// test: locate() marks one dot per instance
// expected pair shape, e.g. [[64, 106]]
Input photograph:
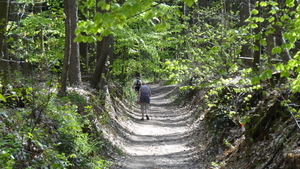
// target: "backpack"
[[138, 83]]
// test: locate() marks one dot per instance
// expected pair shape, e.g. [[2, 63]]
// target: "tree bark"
[[64, 76], [104, 48], [74, 73], [244, 14], [256, 54], [4, 6], [83, 47]]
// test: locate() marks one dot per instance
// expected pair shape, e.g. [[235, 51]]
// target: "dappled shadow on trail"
[[172, 160], [161, 142]]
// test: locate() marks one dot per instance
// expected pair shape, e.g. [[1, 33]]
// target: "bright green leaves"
[[103, 5], [296, 85], [2, 98], [98, 17], [276, 50], [137, 7], [163, 26], [117, 17], [189, 3], [176, 69], [267, 74], [254, 12], [148, 15], [259, 19], [290, 3], [271, 19], [255, 80]]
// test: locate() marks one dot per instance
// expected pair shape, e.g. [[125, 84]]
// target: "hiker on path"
[[144, 98], [137, 84]]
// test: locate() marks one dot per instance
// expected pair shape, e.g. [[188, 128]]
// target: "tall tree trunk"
[[104, 49], [105, 46], [4, 6], [74, 72], [270, 45], [244, 14], [256, 54], [65, 70], [83, 47]]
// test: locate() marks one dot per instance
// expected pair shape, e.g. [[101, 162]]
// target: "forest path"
[[164, 140]]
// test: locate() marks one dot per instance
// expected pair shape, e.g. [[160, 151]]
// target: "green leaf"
[[289, 3], [98, 17], [122, 18], [263, 4], [106, 7], [253, 25], [160, 27], [2, 98], [90, 39], [99, 38], [101, 4], [293, 63], [297, 56], [276, 50], [279, 67], [136, 8], [255, 80], [296, 85], [106, 32], [254, 12], [90, 3], [148, 15], [79, 38], [259, 19], [271, 19], [267, 74], [285, 73], [284, 17], [189, 3], [273, 12]]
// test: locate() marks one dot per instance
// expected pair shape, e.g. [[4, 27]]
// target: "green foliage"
[[285, 18], [40, 39], [230, 102], [50, 133]]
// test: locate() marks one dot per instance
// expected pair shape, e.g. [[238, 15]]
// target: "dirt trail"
[[161, 142]]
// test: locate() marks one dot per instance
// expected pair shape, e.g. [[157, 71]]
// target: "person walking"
[[144, 98], [137, 84]]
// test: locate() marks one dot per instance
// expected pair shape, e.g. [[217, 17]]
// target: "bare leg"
[[143, 112]]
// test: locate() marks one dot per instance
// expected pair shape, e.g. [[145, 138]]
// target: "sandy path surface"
[[161, 142]]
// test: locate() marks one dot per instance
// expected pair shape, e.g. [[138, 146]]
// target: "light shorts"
[[144, 106]]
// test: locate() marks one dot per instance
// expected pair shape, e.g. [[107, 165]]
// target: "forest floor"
[[164, 141]]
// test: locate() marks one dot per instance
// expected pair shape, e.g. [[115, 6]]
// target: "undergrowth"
[[45, 131], [262, 108]]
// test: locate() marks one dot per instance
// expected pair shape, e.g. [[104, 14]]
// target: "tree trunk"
[[66, 63], [105, 46], [104, 49], [83, 47], [270, 45], [285, 55], [244, 14], [4, 6], [256, 54], [74, 72]]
